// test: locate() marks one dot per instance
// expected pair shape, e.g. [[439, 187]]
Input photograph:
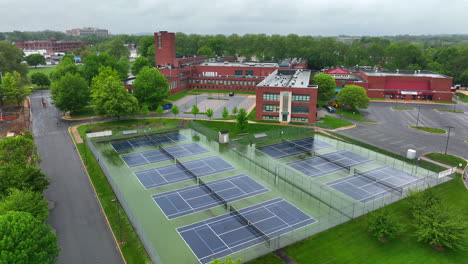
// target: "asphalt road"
[[82, 231], [393, 134]]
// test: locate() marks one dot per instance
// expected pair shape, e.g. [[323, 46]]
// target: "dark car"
[[330, 109], [231, 93]]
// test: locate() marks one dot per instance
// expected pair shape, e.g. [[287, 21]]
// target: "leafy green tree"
[[418, 201], [93, 63], [209, 113], [151, 87], [25, 201], [175, 110], [117, 48], [144, 44], [40, 79], [19, 150], [139, 63], [7, 85], [145, 109], [160, 110], [110, 97], [70, 93], [383, 224], [225, 113], [440, 226], [195, 111], [11, 58], [326, 86], [14, 87], [35, 59], [151, 55], [353, 96], [226, 260], [22, 177], [206, 51], [235, 110], [242, 119], [66, 65], [24, 239]]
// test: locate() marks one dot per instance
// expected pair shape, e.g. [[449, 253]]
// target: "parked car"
[[330, 109], [231, 93]]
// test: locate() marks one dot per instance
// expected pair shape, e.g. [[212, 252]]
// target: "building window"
[[238, 73], [182, 82], [270, 108], [266, 117], [271, 97], [300, 119], [249, 73], [300, 98], [300, 109]]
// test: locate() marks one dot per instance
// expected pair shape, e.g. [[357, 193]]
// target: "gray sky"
[[319, 17]]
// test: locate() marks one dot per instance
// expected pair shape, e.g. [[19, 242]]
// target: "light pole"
[[118, 215], [417, 119], [448, 138]]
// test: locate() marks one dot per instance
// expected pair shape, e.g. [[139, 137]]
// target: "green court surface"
[[325, 195]]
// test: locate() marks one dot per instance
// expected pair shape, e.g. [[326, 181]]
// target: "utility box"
[[411, 154], [223, 136]]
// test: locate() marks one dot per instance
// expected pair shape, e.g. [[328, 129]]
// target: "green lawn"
[[351, 114], [462, 97], [449, 110], [333, 122], [402, 108], [234, 131], [445, 102], [447, 159], [45, 70], [87, 111], [251, 115], [178, 96], [377, 99], [432, 130], [351, 243]]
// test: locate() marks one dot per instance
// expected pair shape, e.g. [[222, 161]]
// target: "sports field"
[[191, 199]]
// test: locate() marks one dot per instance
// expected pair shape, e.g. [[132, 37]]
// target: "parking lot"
[[393, 134]]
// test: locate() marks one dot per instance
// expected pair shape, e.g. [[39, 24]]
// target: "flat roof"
[[241, 64], [374, 71], [288, 78]]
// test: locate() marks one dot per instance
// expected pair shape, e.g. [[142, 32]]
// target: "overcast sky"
[[313, 17]]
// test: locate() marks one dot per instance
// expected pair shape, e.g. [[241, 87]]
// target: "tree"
[[22, 177], [353, 96], [195, 111], [139, 63], [24, 239], [66, 65], [150, 87], [442, 227], [242, 119], [110, 97], [206, 51], [225, 113], [175, 110], [160, 110], [234, 110], [25, 201], [209, 113], [14, 87], [11, 58], [145, 110], [19, 150], [383, 224], [70, 93], [40, 79], [326, 86], [117, 48], [94, 62], [35, 59]]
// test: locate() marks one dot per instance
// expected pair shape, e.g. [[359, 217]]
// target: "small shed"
[[223, 136]]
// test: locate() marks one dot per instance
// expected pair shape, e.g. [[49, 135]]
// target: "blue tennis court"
[[317, 166], [370, 185], [223, 235], [198, 198], [147, 141], [175, 173], [293, 147], [157, 155]]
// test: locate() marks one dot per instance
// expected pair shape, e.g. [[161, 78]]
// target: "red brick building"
[[286, 96], [398, 84], [51, 46]]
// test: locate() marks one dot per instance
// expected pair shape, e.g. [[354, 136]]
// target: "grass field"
[[87, 111], [445, 102], [462, 97], [449, 110], [333, 122], [351, 114], [45, 70], [432, 130], [402, 108], [447, 159], [178, 96]]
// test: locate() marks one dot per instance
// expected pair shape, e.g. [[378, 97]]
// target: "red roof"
[[337, 71], [407, 85]]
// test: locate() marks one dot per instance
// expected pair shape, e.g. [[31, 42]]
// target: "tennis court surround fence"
[[330, 207]]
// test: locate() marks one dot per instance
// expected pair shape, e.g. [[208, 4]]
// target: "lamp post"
[[448, 138], [417, 119], [118, 215]]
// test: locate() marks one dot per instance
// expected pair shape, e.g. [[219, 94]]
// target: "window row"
[[225, 82], [300, 119], [300, 109], [271, 108], [266, 117], [271, 97], [300, 98], [240, 73]]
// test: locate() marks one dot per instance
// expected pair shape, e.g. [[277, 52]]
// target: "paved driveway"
[[83, 235], [394, 135]]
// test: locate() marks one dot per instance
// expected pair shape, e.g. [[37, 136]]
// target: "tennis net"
[[215, 194], [302, 148], [247, 222], [366, 175], [347, 167], [167, 152], [193, 175]]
